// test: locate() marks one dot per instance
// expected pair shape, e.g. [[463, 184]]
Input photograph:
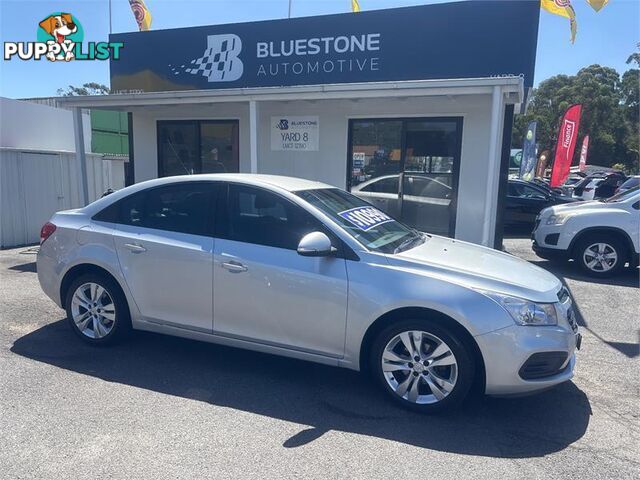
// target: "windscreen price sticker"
[[365, 218]]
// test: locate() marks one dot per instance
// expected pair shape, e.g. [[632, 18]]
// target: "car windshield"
[[374, 229], [622, 196]]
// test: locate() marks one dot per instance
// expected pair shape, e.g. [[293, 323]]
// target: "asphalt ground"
[[157, 407]]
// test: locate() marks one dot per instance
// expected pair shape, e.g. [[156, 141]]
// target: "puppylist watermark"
[[60, 37]]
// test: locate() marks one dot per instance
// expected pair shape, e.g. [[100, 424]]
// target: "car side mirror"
[[316, 244]]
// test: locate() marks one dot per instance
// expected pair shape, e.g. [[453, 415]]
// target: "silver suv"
[[306, 270]]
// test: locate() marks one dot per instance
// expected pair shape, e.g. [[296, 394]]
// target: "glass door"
[[430, 175], [408, 168], [376, 163]]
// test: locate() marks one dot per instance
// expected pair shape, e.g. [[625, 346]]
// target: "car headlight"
[[525, 312], [557, 219]]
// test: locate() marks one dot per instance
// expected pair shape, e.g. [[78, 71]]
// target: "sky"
[[607, 37]]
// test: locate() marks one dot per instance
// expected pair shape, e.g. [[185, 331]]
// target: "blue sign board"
[[470, 39]]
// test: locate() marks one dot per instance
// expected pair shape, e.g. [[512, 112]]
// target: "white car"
[[601, 236], [302, 269], [586, 188]]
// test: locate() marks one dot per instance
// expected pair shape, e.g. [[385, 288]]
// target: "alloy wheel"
[[93, 310], [419, 367], [600, 257]]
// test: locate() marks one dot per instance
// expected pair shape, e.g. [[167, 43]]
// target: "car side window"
[[514, 190], [386, 185], [636, 206], [529, 192], [255, 215], [183, 208]]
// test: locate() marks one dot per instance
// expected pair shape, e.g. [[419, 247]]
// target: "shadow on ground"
[[324, 398], [24, 267], [628, 277]]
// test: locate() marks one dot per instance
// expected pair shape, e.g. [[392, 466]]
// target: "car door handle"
[[234, 267], [135, 247]]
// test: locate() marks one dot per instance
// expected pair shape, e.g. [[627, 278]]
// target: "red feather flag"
[[567, 137], [583, 153]]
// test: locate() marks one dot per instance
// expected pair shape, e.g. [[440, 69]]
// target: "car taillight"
[[588, 189], [46, 231]]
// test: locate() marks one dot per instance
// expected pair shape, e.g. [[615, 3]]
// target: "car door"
[[524, 203], [264, 291], [165, 247], [514, 213], [534, 200]]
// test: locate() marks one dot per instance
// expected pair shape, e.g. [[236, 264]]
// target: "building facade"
[[410, 108]]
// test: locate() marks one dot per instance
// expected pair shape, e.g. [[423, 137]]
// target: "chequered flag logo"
[[220, 61]]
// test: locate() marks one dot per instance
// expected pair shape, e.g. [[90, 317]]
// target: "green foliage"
[[91, 88], [610, 113]]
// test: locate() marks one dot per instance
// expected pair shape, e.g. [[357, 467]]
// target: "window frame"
[[214, 197], [198, 124]]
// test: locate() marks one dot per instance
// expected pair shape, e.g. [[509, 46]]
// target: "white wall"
[[329, 164], [34, 185], [34, 126]]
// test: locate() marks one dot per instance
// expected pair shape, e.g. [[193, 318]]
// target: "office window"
[[187, 147]]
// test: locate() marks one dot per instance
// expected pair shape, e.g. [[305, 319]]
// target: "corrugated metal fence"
[[35, 184]]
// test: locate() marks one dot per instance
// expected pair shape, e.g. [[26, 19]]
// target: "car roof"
[[290, 184]]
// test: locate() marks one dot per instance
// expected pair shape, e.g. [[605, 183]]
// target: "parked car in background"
[[525, 200], [424, 201], [630, 183], [608, 186], [598, 185], [270, 263], [601, 236], [586, 188], [570, 183]]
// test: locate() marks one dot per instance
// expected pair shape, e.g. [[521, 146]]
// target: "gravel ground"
[[159, 407]]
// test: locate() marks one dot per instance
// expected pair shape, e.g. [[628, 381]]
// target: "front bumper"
[[550, 241], [523, 359], [507, 350]]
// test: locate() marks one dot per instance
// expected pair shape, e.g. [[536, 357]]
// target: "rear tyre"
[[422, 366], [600, 255], [97, 309]]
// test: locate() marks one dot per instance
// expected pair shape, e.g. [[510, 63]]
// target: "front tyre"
[[422, 366], [601, 255], [97, 309]]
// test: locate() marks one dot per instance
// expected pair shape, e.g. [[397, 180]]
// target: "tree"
[[610, 113], [90, 88]]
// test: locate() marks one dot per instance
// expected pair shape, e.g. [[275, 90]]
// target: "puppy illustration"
[[59, 27]]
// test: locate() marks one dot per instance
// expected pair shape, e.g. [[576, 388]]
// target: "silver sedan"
[[302, 269]]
